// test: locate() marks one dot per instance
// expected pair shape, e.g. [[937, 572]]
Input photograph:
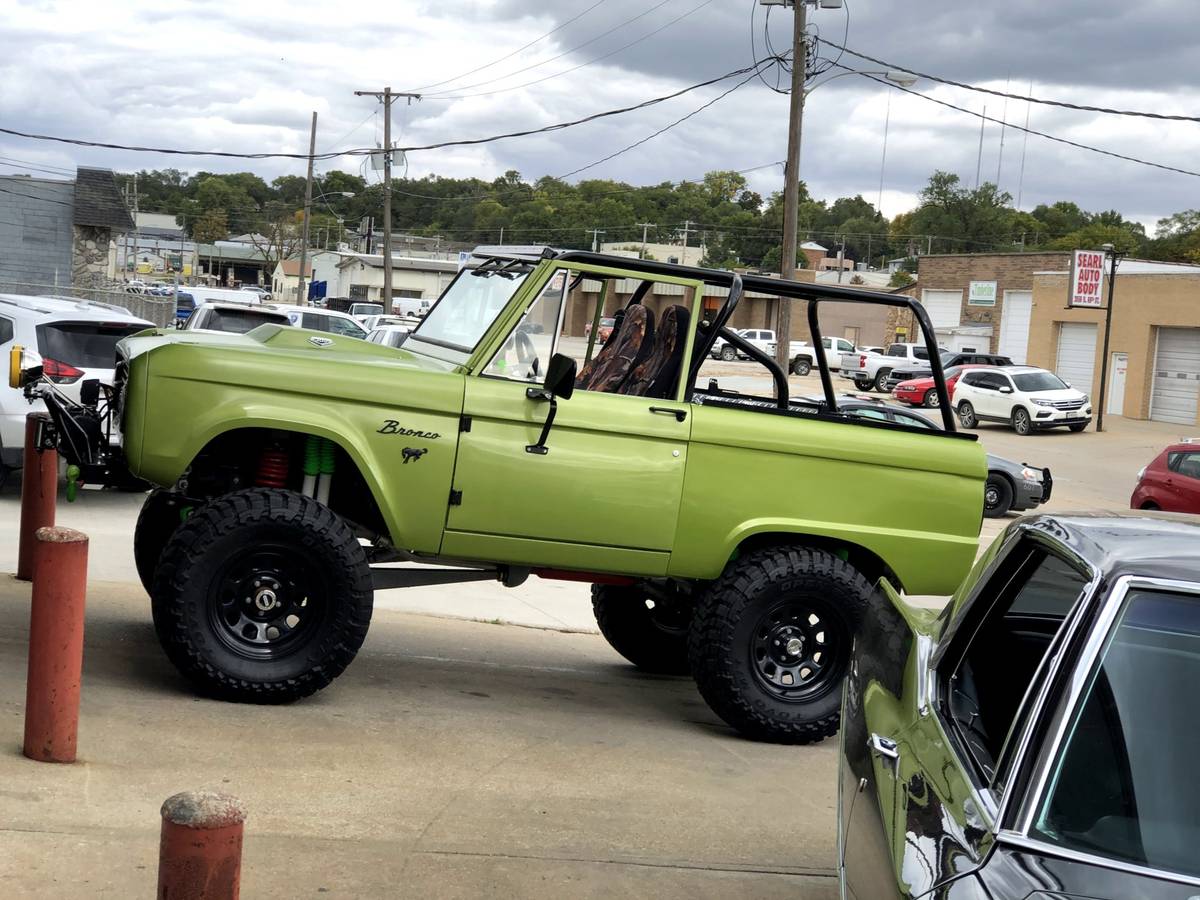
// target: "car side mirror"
[[1005, 389], [560, 382]]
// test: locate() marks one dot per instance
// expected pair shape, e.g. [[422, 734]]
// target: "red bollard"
[[39, 490], [200, 853], [55, 644]]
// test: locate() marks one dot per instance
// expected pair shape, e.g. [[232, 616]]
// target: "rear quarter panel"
[[915, 500]]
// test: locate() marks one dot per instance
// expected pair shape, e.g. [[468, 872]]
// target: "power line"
[[574, 18], [1042, 134], [366, 151], [603, 34], [605, 56], [1009, 96]]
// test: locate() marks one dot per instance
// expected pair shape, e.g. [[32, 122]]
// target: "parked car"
[[72, 340], [416, 307], [370, 323], [921, 391], [1027, 398], [486, 449], [762, 338], [801, 356], [234, 318], [1035, 739], [607, 323], [949, 359], [361, 310], [325, 320], [263, 295], [1010, 486], [869, 371], [390, 335], [185, 303], [1172, 481]]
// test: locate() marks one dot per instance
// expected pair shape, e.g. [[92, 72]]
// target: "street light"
[[1113, 255]]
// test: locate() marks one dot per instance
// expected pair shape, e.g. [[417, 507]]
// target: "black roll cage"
[[785, 289]]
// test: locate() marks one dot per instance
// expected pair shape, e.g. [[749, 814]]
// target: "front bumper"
[[1029, 494], [1047, 417]]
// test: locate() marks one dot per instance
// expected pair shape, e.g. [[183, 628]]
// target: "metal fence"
[[159, 310]]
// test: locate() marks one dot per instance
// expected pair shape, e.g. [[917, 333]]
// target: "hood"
[[301, 347], [1064, 394]]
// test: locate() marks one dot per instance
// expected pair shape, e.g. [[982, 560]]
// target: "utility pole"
[[386, 96], [686, 229], [979, 158], [645, 226], [301, 297], [595, 233], [791, 185], [1114, 256]]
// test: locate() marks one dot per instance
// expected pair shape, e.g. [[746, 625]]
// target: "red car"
[[920, 391], [1171, 482], [606, 327]]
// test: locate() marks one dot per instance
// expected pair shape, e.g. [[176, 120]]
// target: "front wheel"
[[649, 632], [729, 353], [770, 642], [966, 415], [997, 496], [262, 596], [801, 366], [156, 523], [930, 400], [1021, 422]]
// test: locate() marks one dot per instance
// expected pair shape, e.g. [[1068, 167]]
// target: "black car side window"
[[1003, 640]]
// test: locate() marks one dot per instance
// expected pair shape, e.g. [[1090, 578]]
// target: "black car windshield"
[[1039, 381], [90, 345], [1124, 784], [468, 308]]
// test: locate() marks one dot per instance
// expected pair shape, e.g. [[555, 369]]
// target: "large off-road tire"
[[966, 415], [160, 516], [729, 353], [771, 639], [801, 365], [997, 496], [262, 596], [650, 634]]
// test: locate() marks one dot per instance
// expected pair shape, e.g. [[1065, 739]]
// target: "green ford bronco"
[[728, 535]]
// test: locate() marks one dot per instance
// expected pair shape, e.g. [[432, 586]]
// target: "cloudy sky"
[[238, 76]]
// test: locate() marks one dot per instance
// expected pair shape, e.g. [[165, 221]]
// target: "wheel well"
[[866, 561], [230, 462], [1149, 504]]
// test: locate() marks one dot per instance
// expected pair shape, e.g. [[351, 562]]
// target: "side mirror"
[[560, 382], [1005, 389]]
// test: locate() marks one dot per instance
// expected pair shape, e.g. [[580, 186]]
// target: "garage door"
[[944, 307], [1076, 360], [1014, 325], [1176, 376]]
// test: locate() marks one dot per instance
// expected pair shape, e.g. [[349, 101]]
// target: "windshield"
[[1124, 784], [1039, 381], [468, 308], [89, 345], [366, 309], [239, 321]]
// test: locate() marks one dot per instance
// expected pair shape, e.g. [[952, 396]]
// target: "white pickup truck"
[[870, 370], [762, 338], [801, 356]]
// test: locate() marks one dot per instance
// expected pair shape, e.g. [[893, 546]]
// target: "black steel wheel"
[[801, 366], [930, 400], [649, 631], [729, 353], [881, 377], [997, 496], [262, 596], [160, 516], [771, 640], [966, 415], [1021, 422]]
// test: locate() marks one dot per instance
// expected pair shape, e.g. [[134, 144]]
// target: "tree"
[[278, 234], [961, 219], [900, 278], [212, 225]]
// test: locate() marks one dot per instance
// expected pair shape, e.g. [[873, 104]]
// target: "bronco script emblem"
[[391, 426]]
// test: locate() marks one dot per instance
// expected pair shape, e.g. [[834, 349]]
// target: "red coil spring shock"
[[272, 468]]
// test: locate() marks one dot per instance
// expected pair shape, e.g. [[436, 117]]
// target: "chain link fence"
[[159, 310]]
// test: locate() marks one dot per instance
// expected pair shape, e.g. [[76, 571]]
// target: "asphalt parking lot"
[[454, 758]]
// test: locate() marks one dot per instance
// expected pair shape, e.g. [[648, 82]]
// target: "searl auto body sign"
[[1087, 278]]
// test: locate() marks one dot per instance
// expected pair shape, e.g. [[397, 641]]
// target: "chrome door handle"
[[679, 414], [885, 747]]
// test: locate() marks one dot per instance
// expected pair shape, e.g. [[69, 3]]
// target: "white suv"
[[76, 341], [1027, 398]]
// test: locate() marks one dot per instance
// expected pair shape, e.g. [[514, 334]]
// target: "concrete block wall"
[[35, 234]]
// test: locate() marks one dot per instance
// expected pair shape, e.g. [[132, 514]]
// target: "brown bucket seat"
[[627, 348], [656, 375]]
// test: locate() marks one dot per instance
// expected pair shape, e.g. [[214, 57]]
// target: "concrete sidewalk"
[[453, 759]]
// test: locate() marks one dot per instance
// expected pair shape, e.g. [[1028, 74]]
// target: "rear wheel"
[[801, 366], [966, 415], [997, 496], [863, 384], [1021, 422], [771, 640], [729, 353], [160, 517], [649, 632], [880, 378], [262, 596]]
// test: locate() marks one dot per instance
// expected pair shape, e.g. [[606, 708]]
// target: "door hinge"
[[464, 424], [456, 498]]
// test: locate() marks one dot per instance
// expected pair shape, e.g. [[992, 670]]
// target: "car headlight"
[[1087, 399], [1031, 474], [1142, 473], [1043, 402]]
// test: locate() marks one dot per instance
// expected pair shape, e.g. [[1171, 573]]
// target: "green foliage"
[[900, 278]]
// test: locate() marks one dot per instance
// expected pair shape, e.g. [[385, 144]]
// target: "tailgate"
[[853, 361]]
